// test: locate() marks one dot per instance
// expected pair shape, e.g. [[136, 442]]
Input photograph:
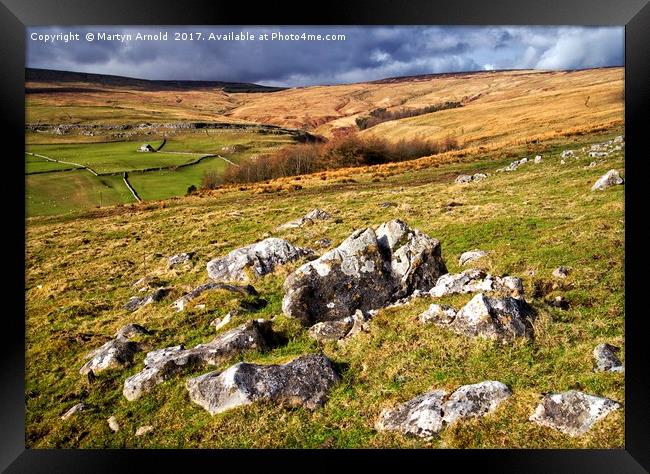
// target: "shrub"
[[191, 190], [378, 116]]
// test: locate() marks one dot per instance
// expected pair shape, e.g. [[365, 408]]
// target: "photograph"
[[325, 236]]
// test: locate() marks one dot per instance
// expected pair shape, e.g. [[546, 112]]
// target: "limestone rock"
[[429, 413], [143, 430], [260, 258], [572, 412], [611, 178], [438, 314], [131, 330], [607, 359], [567, 153], [161, 364], [471, 256], [137, 302], [78, 408], [113, 424], [310, 217], [369, 270], [473, 280], [538, 159], [503, 319], [463, 178], [304, 381], [479, 176], [179, 259], [331, 330], [115, 353], [561, 272]]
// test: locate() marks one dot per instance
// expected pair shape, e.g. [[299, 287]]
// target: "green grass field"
[[64, 192], [79, 271]]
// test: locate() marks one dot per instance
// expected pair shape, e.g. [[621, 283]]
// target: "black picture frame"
[[15, 15]]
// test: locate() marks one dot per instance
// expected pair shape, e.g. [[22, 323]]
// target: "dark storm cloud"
[[367, 53]]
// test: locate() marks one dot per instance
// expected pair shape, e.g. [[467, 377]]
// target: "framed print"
[[395, 234]]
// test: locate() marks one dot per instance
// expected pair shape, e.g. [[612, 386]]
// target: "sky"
[[366, 53]]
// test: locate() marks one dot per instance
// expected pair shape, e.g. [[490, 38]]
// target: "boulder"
[[115, 353], [143, 430], [304, 381], [463, 178], [429, 413], [138, 302], [161, 364], [503, 319], [260, 258], [473, 280], [471, 256], [572, 412], [438, 314], [567, 153], [78, 408], [310, 217], [611, 178], [369, 270], [607, 360], [478, 176], [179, 259], [598, 154], [181, 302], [538, 159]]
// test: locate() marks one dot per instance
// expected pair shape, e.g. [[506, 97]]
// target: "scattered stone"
[[463, 178], [572, 412], [598, 154], [304, 381], [261, 258], [567, 153], [131, 330], [143, 430], [78, 408], [179, 259], [138, 302], [331, 330], [113, 424], [479, 176], [562, 162], [607, 359], [538, 159], [359, 324], [115, 353], [471, 256], [323, 243], [160, 364], [561, 272], [181, 302], [310, 217], [429, 413], [592, 164], [369, 270], [473, 280], [611, 178], [559, 302], [219, 322], [439, 314], [502, 319]]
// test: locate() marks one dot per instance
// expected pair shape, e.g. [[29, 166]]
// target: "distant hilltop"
[[58, 77]]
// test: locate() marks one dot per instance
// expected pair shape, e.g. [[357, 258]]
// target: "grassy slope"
[[79, 271]]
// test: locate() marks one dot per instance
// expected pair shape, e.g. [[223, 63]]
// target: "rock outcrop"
[[260, 259], [429, 413], [161, 364], [369, 270], [78, 408], [572, 412], [137, 302], [304, 381], [438, 314]]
